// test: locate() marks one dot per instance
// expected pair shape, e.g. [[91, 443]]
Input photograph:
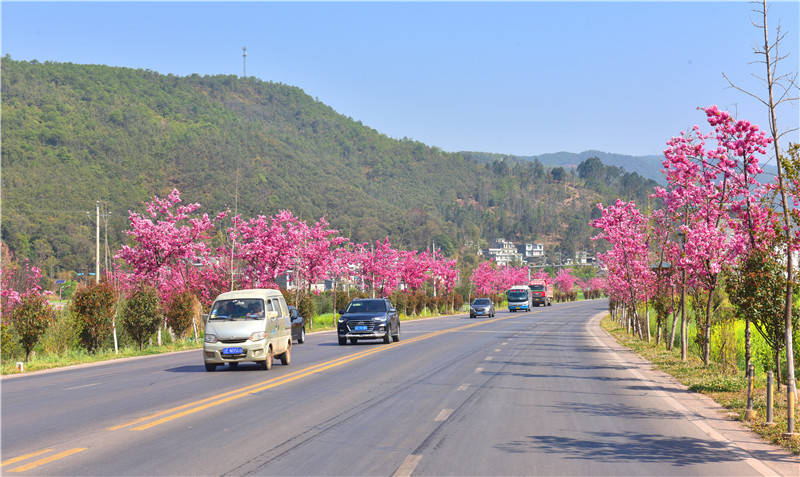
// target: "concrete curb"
[[133, 358]]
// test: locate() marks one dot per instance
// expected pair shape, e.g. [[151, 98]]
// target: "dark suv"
[[368, 319]]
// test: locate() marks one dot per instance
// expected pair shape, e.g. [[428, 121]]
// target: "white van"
[[248, 325]]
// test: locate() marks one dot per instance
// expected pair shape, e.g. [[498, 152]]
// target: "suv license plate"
[[231, 350], [360, 328]]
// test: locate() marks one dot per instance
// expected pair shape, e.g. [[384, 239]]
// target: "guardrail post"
[[770, 398]]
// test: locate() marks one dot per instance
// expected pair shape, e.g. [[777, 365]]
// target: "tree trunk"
[[747, 356], [778, 368], [684, 327], [707, 330], [787, 315], [647, 319]]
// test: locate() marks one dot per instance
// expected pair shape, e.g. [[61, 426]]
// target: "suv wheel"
[[211, 367], [302, 338], [353, 340], [396, 336], [387, 338], [233, 365], [342, 341]]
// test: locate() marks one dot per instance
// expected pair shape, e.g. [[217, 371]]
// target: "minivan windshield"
[[367, 306], [238, 309], [517, 295]]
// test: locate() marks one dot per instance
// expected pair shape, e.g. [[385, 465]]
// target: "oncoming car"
[[481, 307]]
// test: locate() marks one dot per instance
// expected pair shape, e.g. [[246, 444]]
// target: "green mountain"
[[75, 134]]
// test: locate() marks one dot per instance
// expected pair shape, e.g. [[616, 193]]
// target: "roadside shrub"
[[306, 308], [140, 315], [288, 296], [94, 305], [458, 301], [10, 343], [62, 335], [30, 319], [180, 313]]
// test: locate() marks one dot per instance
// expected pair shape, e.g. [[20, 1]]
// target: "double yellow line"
[[42, 461], [167, 415]]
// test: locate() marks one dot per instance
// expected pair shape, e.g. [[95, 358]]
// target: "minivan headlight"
[[210, 338], [257, 336]]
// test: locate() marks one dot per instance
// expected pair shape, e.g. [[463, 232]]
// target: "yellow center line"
[[238, 390], [229, 396], [46, 460], [23, 457]]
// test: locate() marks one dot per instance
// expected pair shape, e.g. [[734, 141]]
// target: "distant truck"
[[519, 298], [541, 293]]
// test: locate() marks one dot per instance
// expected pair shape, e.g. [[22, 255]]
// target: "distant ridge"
[[646, 166]]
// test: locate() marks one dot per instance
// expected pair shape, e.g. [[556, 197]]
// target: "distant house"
[[503, 252], [531, 250]]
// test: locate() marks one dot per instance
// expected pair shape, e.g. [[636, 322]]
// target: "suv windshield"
[[366, 306], [517, 295], [245, 309], [481, 301]]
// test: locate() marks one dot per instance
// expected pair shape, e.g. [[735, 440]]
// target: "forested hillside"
[[74, 134]]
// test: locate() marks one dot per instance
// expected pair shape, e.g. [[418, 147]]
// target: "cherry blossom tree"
[[170, 248]]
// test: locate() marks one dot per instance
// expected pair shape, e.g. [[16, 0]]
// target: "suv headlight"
[[380, 318], [210, 338], [257, 336], [341, 320]]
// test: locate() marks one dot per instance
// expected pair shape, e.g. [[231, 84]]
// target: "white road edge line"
[[756, 464], [81, 386], [443, 415], [408, 466]]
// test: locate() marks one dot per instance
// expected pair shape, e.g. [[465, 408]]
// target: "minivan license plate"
[[232, 351], [361, 328]]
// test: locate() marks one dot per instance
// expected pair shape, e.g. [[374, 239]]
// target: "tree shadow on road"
[[616, 410], [629, 446]]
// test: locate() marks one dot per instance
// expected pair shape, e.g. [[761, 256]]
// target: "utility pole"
[[97, 245], [244, 62]]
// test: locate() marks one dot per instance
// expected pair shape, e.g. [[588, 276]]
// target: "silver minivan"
[[248, 325]]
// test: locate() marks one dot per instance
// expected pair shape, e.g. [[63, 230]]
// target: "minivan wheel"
[[342, 341], [286, 357], [211, 367], [302, 337], [267, 363]]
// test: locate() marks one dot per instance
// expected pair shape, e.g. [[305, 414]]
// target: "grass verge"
[[38, 362], [728, 387], [48, 361]]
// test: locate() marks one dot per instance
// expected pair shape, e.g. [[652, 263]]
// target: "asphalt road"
[[537, 393]]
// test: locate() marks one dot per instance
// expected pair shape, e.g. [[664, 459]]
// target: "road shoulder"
[[705, 413]]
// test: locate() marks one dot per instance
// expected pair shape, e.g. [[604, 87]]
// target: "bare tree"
[[785, 85]]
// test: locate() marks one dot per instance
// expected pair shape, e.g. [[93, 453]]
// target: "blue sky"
[[515, 78]]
